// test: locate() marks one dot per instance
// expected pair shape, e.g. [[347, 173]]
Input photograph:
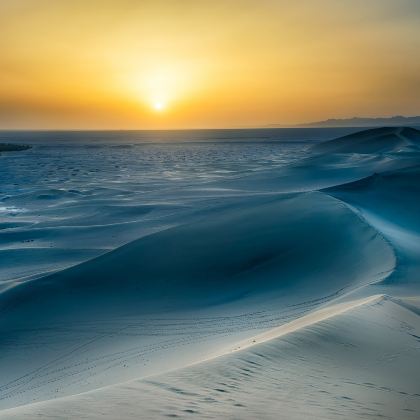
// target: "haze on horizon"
[[191, 64]]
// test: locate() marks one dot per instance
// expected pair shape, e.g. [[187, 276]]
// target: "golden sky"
[[193, 64]]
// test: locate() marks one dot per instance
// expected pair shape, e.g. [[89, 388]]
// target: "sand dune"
[[288, 290], [389, 202], [246, 260], [359, 361], [376, 140], [343, 160]]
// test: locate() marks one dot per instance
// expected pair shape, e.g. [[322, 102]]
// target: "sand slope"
[[101, 318], [359, 361], [376, 140]]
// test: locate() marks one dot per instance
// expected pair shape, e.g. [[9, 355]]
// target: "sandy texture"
[[290, 291]]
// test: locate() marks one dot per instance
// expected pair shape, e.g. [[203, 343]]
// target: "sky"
[[174, 64]]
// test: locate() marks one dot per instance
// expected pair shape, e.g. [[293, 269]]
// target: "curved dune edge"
[[358, 363], [307, 320], [275, 333], [389, 203]]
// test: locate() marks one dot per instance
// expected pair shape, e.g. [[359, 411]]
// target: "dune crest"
[[307, 372]]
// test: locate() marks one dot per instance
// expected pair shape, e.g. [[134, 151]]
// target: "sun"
[[158, 106]]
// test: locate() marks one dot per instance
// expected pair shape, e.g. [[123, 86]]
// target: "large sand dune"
[[355, 361], [286, 293]]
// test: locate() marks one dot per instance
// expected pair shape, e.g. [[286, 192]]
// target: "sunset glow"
[[109, 64], [158, 106]]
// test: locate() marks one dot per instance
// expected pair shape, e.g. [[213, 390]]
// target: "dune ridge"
[[316, 316], [240, 381]]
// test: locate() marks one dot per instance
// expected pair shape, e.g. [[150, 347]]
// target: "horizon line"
[[311, 124], [78, 130]]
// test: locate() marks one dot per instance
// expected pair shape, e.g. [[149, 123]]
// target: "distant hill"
[[6, 147], [365, 122]]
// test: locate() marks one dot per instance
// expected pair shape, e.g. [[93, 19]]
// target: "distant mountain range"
[[362, 122]]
